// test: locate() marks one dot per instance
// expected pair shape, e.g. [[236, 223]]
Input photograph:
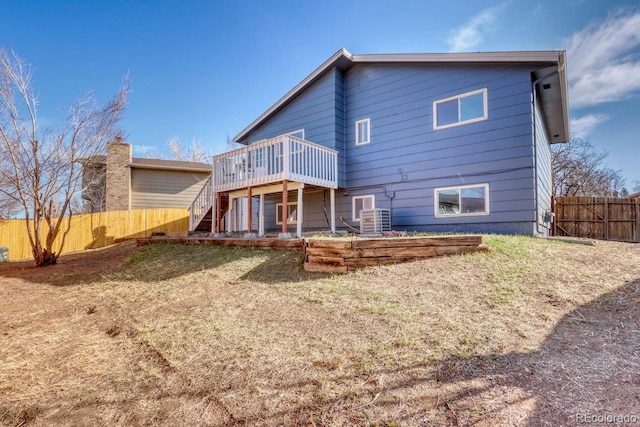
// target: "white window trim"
[[295, 132], [368, 140], [485, 108], [356, 215], [436, 203], [279, 212]]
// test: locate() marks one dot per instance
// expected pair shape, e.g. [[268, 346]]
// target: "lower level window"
[[465, 200], [292, 213], [360, 203]]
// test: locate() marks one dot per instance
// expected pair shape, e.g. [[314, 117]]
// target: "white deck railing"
[[201, 205], [274, 160]]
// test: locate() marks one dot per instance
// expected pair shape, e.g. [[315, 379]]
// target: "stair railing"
[[201, 205]]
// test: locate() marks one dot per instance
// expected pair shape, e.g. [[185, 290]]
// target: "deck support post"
[[299, 213], [218, 213], [261, 216], [212, 191], [285, 197], [212, 229], [249, 211], [230, 213], [332, 198]]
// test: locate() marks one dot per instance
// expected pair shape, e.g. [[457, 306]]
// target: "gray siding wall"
[[543, 170], [164, 189], [312, 212], [319, 111]]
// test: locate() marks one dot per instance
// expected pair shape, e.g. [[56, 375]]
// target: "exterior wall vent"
[[375, 221]]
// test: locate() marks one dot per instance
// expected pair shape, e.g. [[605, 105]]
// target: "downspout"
[[535, 143]]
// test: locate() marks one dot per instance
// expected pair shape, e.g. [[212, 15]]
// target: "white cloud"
[[581, 127], [603, 61], [472, 33]]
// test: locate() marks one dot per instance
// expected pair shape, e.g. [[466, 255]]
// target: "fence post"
[[555, 215], [606, 218], [636, 237]]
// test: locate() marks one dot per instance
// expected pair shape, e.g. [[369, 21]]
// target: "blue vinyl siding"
[[319, 111], [407, 159], [340, 118], [410, 159]]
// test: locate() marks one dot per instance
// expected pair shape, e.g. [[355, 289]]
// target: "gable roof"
[[177, 165], [158, 164], [554, 101]]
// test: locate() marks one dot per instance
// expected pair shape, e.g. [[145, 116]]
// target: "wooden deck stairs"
[[201, 215]]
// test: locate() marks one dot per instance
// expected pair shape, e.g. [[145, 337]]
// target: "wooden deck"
[[341, 256], [274, 160]]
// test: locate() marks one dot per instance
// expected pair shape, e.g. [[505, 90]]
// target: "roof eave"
[[468, 57], [554, 102], [562, 71], [170, 168]]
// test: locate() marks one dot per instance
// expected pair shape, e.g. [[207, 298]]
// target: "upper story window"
[[363, 132], [465, 200], [460, 109], [359, 203]]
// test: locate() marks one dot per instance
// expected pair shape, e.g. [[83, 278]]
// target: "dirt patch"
[[86, 266]]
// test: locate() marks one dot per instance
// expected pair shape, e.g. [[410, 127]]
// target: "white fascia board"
[[564, 87], [514, 56], [169, 168]]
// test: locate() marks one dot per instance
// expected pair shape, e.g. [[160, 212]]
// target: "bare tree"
[[578, 170], [9, 205], [94, 185], [230, 144], [42, 168], [193, 152]]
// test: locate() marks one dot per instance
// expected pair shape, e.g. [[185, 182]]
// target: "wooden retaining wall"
[[349, 255], [294, 244], [340, 256]]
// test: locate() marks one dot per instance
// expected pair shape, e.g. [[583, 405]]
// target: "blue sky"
[[205, 69]]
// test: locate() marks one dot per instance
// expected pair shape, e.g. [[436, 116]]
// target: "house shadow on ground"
[[588, 366], [164, 261], [73, 268]]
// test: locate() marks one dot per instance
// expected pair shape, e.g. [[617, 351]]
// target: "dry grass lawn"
[[535, 332]]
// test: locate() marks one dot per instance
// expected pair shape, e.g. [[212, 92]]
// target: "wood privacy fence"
[[98, 229], [600, 218]]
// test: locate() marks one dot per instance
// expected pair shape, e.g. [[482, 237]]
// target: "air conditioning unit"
[[375, 221]]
